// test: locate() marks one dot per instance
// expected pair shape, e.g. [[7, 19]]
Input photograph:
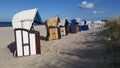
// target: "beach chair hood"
[[26, 18], [52, 21], [77, 20], [63, 22]]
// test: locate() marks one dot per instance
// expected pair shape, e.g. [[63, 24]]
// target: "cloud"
[[86, 4], [99, 11], [94, 12]]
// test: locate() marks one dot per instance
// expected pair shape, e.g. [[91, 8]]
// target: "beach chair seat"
[[77, 28], [63, 26], [63, 30], [74, 26], [53, 33], [84, 27]]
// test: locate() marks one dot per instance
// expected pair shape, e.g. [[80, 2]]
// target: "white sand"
[[81, 50]]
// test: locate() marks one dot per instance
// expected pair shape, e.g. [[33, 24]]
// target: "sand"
[[80, 50]]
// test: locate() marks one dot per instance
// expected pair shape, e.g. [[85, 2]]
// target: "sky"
[[83, 9]]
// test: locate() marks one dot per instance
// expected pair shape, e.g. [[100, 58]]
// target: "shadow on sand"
[[92, 56], [43, 38], [12, 47]]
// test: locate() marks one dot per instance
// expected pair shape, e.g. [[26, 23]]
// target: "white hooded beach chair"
[[64, 27], [26, 38], [98, 24]]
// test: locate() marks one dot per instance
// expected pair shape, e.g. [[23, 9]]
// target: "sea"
[[9, 24], [5, 24]]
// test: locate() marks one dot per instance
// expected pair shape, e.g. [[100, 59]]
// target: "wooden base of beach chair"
[[62, 31], [53, 33], [68, 30], [27, 42], [77, 28]]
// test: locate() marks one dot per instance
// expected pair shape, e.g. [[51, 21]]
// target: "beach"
[[80, 50]]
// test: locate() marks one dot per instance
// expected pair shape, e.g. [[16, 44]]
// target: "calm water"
[[6, 24]]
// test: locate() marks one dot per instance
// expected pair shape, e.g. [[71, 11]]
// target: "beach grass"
[[112, 33], [113, 28]]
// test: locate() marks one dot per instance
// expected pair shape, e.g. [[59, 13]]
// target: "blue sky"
[[83, 9]]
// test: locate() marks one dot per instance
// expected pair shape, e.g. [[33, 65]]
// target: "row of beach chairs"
[[27, 39], [56, 28]]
